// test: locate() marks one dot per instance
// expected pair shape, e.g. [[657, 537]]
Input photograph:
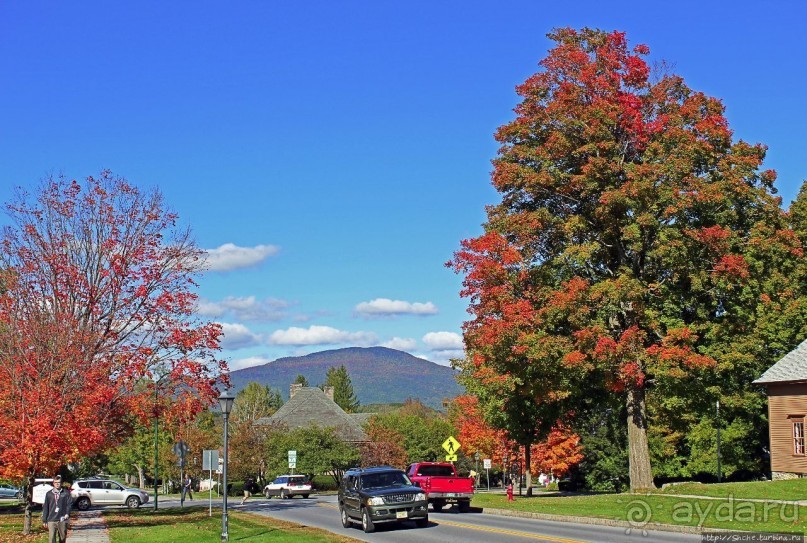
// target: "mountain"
[[378, 374]]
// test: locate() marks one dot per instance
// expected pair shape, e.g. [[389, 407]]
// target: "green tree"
[[343, 394], [629, 251], [300, 380], [255, 401], [319, 451], [423, 429]]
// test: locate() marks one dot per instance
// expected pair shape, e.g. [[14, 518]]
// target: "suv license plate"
[[401, 514]]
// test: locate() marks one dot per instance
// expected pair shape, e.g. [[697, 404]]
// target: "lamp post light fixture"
[[226, 400]]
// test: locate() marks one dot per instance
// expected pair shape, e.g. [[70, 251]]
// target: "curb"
[[650, 526]]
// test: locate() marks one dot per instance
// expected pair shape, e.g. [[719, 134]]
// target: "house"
[[786, 382], [311, 406]]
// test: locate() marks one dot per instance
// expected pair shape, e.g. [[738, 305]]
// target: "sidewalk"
[[88, 527]]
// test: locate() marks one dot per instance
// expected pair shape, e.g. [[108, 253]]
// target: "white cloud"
[[384, 307], [238, 336], [232, 257], [244, 308], [443, 341], [443, 358], [250, 361], [319, 335], [401, 344]]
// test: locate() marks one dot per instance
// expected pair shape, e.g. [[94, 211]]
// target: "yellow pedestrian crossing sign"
[[451, 458], [451, 446]]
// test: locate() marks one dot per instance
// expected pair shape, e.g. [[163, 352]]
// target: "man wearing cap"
[[56, 511]]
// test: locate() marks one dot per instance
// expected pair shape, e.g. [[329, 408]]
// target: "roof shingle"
[[792, 367], [311, 406]]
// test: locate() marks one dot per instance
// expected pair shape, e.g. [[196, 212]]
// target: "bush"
[[324, 483], [552, 486], [236, 488]]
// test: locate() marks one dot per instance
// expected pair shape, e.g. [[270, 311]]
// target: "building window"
[[798, 436]]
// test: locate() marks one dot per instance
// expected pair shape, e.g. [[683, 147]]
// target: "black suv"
[[381, 494]]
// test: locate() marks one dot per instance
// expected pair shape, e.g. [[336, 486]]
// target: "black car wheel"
[[284, 494], [422, 522], [345, 518], [267, 494], [437, 505], [304, 496], [132, 502], [366, 522], [464, 506], [83, 503]]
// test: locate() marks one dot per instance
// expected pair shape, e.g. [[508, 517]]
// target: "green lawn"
[[731, 514], [793, 489], [195, 526], [11, 522]]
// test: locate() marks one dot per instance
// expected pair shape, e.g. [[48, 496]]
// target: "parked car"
[[288, 486], [87, 492], [10, 491], [381, 494]]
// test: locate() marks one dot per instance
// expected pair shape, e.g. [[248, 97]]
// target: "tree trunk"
[[29, 506], [527, 470], [141, 476], [640, 472]]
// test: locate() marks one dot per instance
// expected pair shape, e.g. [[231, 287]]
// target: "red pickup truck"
[[441, 484]]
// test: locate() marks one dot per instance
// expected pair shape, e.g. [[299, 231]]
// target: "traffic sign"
[[292, 456], [451, 445], [181, 449], [486, 463], [292, 465], [210, 460], [451, 458]]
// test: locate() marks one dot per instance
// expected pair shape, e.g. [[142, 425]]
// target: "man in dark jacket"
[[56, 511]]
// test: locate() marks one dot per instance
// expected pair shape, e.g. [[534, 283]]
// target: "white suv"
[[87, 492], [287, 486]]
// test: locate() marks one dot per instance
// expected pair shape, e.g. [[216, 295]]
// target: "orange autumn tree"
[[559, 453], [617, 258], [475, 434], [96, 311]]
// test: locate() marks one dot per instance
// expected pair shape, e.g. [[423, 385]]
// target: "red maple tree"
[[96, 311], [620, 243]]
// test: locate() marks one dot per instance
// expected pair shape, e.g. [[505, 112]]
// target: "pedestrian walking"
[[248, 488], [56, 511], [187, 489]]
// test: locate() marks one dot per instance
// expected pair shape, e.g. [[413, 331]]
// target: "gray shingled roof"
[[310, 406], [792, 367]]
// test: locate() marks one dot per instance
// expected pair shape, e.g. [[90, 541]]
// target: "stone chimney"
[[328, 392], [294, 388]]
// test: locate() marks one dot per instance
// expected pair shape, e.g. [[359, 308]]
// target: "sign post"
[[486, 464], [210, 459], [181, 449]]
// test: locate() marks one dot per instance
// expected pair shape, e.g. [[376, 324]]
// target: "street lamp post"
[[156, 438], [226, 402]]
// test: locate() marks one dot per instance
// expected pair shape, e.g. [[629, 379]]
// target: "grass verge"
[[11, 522], [791, 490], [643, 510], [195, 526]]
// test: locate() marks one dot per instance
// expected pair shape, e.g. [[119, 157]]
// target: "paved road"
[[449, 526]]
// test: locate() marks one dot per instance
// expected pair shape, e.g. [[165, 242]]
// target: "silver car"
[[87, 492], [10, 491]]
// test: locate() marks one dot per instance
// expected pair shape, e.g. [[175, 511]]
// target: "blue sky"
[[332, 155]]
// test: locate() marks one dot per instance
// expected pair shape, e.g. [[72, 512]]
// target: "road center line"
[[517, 533]]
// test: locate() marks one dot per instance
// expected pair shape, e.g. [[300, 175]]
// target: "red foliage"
[[558, 454], [96, 308]]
